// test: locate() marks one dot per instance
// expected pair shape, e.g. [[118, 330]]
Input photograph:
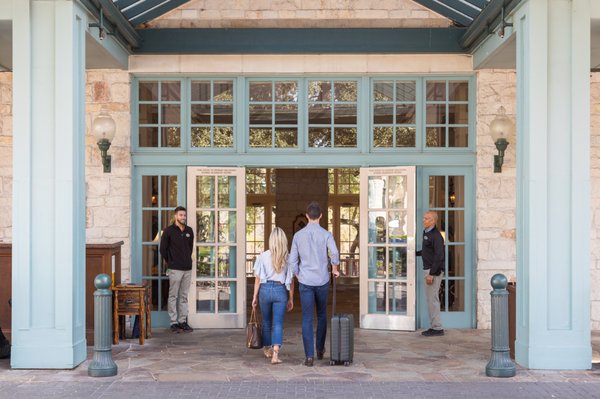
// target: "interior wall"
[[296, 188]]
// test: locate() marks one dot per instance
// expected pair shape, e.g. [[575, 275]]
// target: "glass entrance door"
[[216, 209], [387, 247]]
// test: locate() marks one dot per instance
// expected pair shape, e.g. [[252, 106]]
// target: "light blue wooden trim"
[[466, 319], [136, 239], [186, 120], [312, 159], [364, 114], [240, 112]]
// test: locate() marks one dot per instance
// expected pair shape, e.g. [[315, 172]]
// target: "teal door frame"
[[466, 318], [159, 318]]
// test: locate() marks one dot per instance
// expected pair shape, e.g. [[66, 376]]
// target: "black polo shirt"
[[176, 247]]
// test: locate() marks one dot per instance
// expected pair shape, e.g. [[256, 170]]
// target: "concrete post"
[[102, 365], [500, 364]]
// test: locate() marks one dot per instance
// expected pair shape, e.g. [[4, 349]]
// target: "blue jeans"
[[273, 298], [311, 297]]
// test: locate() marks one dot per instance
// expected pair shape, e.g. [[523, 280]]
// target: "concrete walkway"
[[380, 356]]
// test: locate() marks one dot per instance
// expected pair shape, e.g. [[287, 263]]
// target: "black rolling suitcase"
[[342, 336]]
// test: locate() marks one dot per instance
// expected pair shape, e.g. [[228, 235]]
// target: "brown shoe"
[[308, 362], [320, 355]]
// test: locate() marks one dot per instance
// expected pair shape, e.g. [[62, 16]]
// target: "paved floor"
[[271, 390], [215, 364], [380, 356]]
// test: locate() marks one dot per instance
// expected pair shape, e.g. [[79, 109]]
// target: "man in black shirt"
[[176, 247], [432, 253]]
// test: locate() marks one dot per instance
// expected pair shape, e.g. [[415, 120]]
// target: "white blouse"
[[263, 269]]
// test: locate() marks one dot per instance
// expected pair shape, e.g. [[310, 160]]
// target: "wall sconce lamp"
[[103, 128], [500, 129]]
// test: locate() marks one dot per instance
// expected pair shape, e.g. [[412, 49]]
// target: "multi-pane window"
[[273, 114], [447, 113], [447, 198], [211, 113], [159, 113], [159, 198], [343, 199], [394, 111], [332, 113], [260, 213], [306, 114], [344, 181]]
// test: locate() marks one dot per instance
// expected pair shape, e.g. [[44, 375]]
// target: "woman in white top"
[[273, 283]]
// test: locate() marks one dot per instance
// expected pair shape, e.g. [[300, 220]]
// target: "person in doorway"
[[271, 288], [308, 262], [176, 247], [432, 253]]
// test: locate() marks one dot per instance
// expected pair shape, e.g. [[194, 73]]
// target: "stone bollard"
[[102, 365], [500, 364]]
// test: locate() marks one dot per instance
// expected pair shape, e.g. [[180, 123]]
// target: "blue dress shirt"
[[308, 257]]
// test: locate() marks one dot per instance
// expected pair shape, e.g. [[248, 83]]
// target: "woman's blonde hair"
[[278, 244]]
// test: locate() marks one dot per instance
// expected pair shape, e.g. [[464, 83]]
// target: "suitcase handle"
[[334, 291]]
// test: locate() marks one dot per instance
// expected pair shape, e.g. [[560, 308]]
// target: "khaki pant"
[[179, 286], [432, 292]]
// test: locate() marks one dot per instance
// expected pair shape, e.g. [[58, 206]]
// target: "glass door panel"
[[218, 287], [387, 212], [157, 191], [448, 191]]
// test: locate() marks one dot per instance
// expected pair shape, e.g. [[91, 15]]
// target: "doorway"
[[225, 265], [278, 197]]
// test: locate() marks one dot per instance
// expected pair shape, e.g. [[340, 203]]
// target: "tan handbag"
[[253, 332]]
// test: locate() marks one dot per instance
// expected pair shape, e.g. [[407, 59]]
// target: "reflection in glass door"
[[216, 206], [387, 213]]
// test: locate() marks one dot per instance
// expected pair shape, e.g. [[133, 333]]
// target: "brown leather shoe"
[[308, 362], [320, 355]]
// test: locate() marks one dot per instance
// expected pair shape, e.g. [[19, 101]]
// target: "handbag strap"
[[253, 316]]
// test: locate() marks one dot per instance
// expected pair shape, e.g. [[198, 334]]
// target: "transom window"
[[447, 113], [273, 114], [159, 113], [394, 113], [354, 115], [332, 113], [211, 113]]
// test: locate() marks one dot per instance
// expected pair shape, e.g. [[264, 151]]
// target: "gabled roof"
[[141, 11], [461, 12]]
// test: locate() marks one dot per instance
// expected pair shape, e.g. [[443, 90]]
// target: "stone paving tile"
[[305, 389], [380, 356]]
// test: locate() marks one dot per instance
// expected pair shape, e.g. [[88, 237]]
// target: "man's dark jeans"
[[311, 297]]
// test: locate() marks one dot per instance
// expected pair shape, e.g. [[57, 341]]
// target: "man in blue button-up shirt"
[[308, 261]]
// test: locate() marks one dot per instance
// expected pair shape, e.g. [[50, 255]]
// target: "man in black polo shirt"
[[433, 256], [176, 247]]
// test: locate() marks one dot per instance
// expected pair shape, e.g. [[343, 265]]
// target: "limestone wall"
[[300, 14], [496, 192], [108, 195]]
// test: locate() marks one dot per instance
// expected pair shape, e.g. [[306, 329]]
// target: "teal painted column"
[[553, 184], [48, 287]]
